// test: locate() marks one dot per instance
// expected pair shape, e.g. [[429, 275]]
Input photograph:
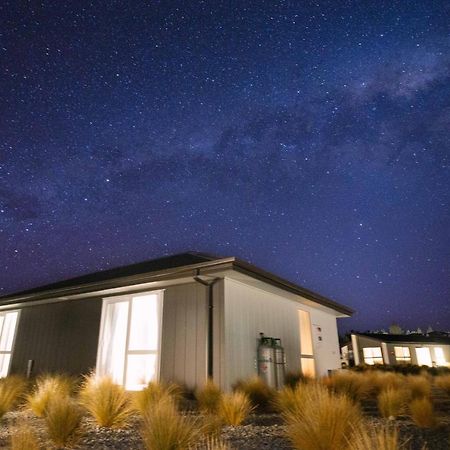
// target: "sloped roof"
[[168, 265], [412, 338]]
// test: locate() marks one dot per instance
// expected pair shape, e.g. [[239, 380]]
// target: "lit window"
[[130, 339], [402, 354], [439, 355], [8, 324], [372, 355], [306, 345]]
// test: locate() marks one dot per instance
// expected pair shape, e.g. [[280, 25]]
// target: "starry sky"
[[310, 138]]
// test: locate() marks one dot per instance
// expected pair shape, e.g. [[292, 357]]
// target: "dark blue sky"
[[309, 138]]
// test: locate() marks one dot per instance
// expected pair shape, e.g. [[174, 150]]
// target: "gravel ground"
[[261, 431]]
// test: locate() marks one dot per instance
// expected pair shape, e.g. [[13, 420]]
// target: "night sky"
[[309, 138]]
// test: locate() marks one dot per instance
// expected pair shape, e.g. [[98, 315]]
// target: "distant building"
[[431, 350], [181, 318]]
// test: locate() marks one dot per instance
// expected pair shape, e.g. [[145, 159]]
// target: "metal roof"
[[413, 338], [184, 264]]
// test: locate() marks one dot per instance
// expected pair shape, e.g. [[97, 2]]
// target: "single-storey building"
[[431, 350], [180, 318]]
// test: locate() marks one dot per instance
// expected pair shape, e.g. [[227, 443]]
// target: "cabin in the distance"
[[180, 318]]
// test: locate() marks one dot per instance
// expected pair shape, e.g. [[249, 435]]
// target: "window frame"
[[402, 359], [373, 358], [10, 352], [128, 298], [306, 342]]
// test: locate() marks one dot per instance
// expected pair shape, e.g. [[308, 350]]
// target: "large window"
[[402, 355], [129, 343], [306, 344], [8, 323], [373, 355], [439, 356]]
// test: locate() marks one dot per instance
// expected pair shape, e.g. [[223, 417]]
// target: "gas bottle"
[[266, 361]]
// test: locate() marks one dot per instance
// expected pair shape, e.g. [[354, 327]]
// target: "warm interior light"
[[373, 355]]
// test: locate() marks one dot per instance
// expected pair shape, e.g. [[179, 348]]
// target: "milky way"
[[309, 138]]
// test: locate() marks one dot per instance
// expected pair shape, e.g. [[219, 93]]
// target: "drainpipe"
[[210, 285]]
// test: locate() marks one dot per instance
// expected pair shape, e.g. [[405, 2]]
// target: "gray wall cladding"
[[58, 337]]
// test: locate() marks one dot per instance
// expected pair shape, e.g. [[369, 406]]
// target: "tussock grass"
[[419, 386], [24, 438], [153, 392], [107, 402], [443, 382], [208, 398], [234, 408], [289, 400], [62, 418], [12, 390], [214, 443], [260, 395], [422, 412], [390, 380], [323, 420], [355, 385], [368, 438], [165, 429], [47, 387], [392, 402]]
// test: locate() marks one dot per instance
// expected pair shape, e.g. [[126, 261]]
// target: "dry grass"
[[422, 412], [288, 400], [234, 408], [165, 429], [107, 402], [392, 402], [214, 443], [355, 385], [24, 438], [153, 392], [323, 420], [47, 387], [260, 395], [367, 438], [12, 390], [418, 386], [443, 382], [208, 398], [62, 418]]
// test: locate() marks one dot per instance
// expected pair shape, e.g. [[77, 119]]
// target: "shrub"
[[47, 387], [24, 438], [153, 392], [368, 438], [354, 385], [209, 397], [107, 402], [12, 389], [391, 402], [62, 418], [323, 420], [422, 413], [165, 429], [419, 386], [234, 408], [259, 394], [443, 382]]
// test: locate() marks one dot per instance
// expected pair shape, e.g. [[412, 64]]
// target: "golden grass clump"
[[389, 380], [208, 398], [214, 443], [418, 386], [365, 437], [12, 389], [153, 392], [289, 399], [422, 412], [47, 387], [259, 394], [62, 418], [354, 385], [392, 402], [165, 429], [323, 420], [443, 382], [24, 438], [107, 402], [234, 408]]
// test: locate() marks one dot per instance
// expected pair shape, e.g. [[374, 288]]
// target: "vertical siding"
[[184, 333], [249, 310], [59, 337]]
